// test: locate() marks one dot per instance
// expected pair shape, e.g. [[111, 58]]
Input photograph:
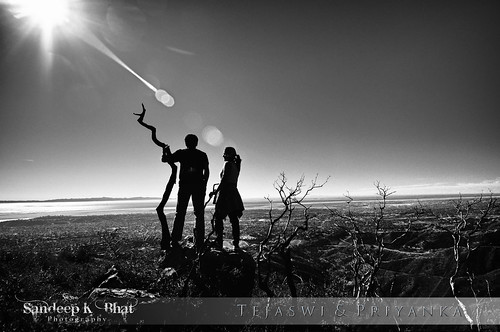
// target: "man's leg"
[[199, 212], [180, 215]]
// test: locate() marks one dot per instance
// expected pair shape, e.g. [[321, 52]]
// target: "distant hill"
[[275, 199]]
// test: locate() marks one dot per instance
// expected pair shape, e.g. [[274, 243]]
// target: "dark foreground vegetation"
[[383, 248]]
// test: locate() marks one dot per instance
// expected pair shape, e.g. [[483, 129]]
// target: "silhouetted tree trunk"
[[165, 233]]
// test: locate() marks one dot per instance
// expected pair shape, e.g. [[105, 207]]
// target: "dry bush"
[[284, 226]]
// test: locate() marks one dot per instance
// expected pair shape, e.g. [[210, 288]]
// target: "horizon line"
[[274, 198]]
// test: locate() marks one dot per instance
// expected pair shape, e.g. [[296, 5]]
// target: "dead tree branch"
[[466, 220], [366, 259], [165, 240], [281, 231]]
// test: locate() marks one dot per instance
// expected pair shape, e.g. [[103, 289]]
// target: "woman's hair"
[[230, 152]]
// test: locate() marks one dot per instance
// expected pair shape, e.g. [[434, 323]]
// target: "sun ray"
[[46, 14]]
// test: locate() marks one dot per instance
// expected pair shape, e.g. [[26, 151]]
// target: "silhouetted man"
[[193, 178]]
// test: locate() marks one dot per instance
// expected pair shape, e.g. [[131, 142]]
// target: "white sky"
[[404, 93]]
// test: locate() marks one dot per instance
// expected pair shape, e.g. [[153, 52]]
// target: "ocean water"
[[29, 210]]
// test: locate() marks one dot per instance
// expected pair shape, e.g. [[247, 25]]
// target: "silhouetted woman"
[[229, 201]]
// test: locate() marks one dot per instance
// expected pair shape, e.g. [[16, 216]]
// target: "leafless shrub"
[[466, 220], [366, 258], [284, 226], [112, 241]]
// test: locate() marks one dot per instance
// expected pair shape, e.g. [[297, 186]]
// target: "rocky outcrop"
[[217, 272], [227, 273]]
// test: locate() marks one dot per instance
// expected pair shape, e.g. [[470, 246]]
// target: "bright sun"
[[45, 14]]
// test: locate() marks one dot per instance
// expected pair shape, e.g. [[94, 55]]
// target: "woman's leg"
[[219, 230], [235, 223]]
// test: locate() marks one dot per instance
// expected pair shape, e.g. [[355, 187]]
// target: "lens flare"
[[213, 136], [43, 15], [161, 95], [164, 97], [47, 14]]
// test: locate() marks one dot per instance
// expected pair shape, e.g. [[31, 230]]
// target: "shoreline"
[[14, 212]]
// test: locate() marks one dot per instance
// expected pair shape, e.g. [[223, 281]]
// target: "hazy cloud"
[[180, 51]]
